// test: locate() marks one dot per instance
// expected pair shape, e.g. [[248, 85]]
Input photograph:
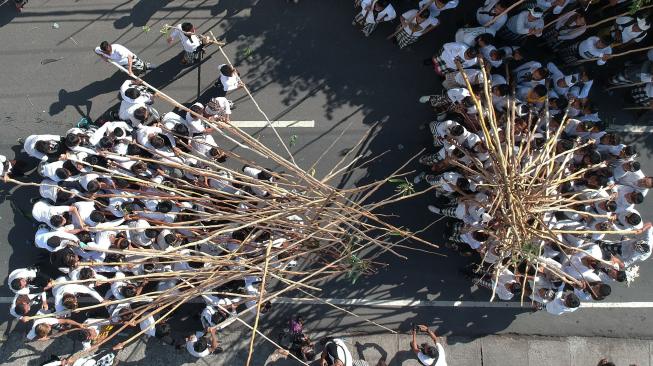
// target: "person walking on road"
[[427, 354], [123, 57]]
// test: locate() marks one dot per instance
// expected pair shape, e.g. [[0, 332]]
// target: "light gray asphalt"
[[303, 62]]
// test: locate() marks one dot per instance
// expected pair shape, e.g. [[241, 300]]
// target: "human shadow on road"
[[7, 12], [140, 14]]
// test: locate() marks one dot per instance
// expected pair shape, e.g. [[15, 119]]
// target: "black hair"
[[427, 13], [92, 186], [97, 216], [457, 130], [611, 206], [72, 140], [636, 166], [186, 27], [481, 236], [104, 46], [264, 175], [62, 173], [572, 301], [107, 142], [164, 206], [621, 276], [84, 236], [457, 153], [630, 150], [139, 168], [503, 89], [504, 3], [151, 233], [15, 284], [462, 183], [85, 273], [472, 52], [604, 290], [140, 114], [128, 290], [200, 345], [595, 157], [118, 132], [53, 241], [227, 70], [633, 219], [540, 90], [57, 220], [181, 129], [170, 238], [132, 93], [157, 142], [133, 149], [487, 38], [638, 198]]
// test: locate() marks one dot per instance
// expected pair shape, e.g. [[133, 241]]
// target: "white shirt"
[[571, 31], [410, 15], [587, 49], [43, 234], [229, 82], [50, 321], [189, 347], [218, 106], [384, 15], [557, 306], [343, 353], [189, 43], [25, 273], [433, 8], [468, 35], [627, 33], [426, 360], [30, 142], [520, 24], [456, 51], [482, 18], [119, 54], [505, 277], [72, 288], [43, 212]]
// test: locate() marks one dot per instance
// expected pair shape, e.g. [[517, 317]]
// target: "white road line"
[[253, 124], [632, 129], [400, 303]]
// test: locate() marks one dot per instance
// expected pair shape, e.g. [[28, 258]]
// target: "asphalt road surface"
[[303, 62]]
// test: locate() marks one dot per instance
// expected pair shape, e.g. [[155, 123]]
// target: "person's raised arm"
[[130, 62]]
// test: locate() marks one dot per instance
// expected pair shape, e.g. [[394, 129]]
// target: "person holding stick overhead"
[[372, 13], [414, 24]]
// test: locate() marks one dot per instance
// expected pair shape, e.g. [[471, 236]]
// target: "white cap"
[[536, 12]]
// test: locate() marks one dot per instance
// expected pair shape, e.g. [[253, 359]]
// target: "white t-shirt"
[[189, 43], [229, 82], [189, 347], [50, 321], [410, 15], [119, 54], [42, 212], [426, 360], [587, 49]]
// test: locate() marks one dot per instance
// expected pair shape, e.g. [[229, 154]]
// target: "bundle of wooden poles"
[[326, 230], [526, 180]]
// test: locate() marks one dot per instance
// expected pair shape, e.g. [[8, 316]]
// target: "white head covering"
[[536, 12]]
